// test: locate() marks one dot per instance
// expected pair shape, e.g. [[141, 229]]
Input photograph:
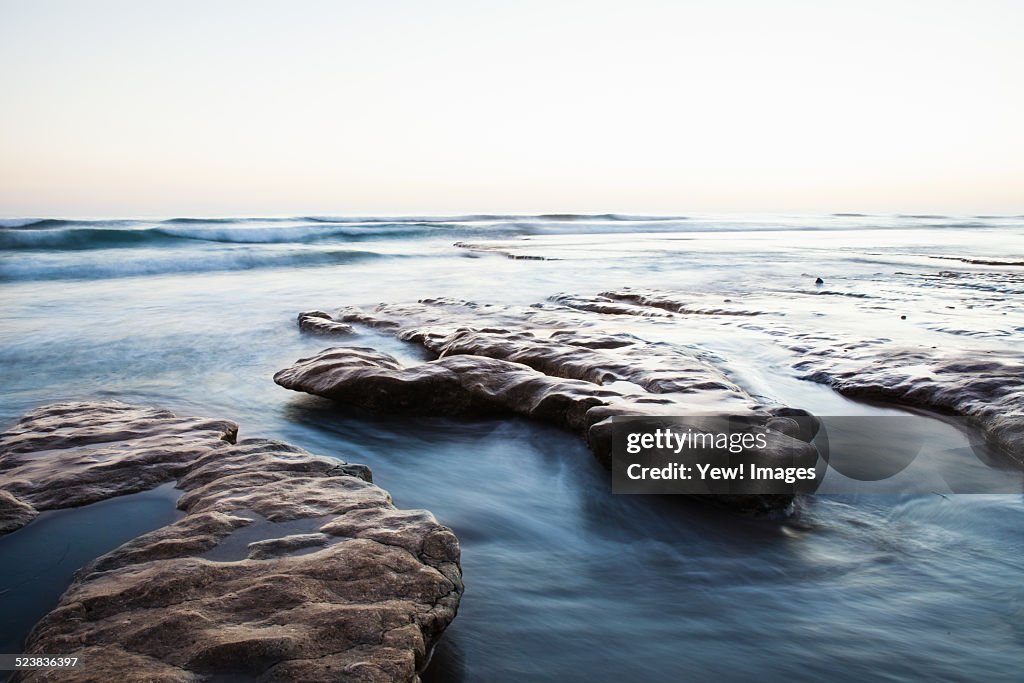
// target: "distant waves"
[[57, 248], [153, 262]]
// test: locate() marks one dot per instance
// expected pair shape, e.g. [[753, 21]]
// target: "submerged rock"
[[287, 566]]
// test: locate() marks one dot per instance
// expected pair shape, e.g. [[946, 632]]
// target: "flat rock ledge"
[[287, 566], [984, 385], [542, 363]]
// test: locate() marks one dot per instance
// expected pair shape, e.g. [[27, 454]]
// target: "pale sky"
[[155, 108]]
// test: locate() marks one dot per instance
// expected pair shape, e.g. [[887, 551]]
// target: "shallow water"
[[564, 580], [39, 560]]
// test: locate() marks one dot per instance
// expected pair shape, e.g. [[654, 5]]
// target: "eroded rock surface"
[[545, 362], [14, 513], [287, 566], [987, 389], [69, 454], [983, 384], [319, 322]]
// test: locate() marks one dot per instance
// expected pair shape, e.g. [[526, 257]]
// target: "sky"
[[358, 107]]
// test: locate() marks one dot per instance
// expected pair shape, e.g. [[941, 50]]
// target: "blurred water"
[[40, 560], [566, 582]]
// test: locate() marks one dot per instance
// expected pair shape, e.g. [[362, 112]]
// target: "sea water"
[[564, 581]]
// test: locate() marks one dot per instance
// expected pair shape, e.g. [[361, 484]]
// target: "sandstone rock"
[[14, 513], [374, 380], [540, 362], [989, 391], [331, 581], [608, 306], [647, 302], [554, 342], [69, 454], [984, 385], [319, 322], [579, 337]]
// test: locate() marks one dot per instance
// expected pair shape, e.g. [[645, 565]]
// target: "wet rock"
[[476, 384], [987, 390], [818, 281], [472, 341], [273, 547], [552, 341], [981, 384], [607, 305], [804, 424], [455, 385], [68, 454], [539, 362], [786, 425], [647, 299], [14, 513], [319, 322], [361, 592], [374, 380]]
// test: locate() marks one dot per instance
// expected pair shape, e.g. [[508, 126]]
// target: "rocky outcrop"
[[558, 342], [648, 302], [319, 322], [987, 389], [455, 385], [541, 362], [69, 454], [984, 385], [286, 565]]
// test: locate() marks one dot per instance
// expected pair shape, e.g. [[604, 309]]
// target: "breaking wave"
[[148, 262], [76, 235]]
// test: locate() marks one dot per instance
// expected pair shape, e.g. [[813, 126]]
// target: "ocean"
[[564, 580]]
